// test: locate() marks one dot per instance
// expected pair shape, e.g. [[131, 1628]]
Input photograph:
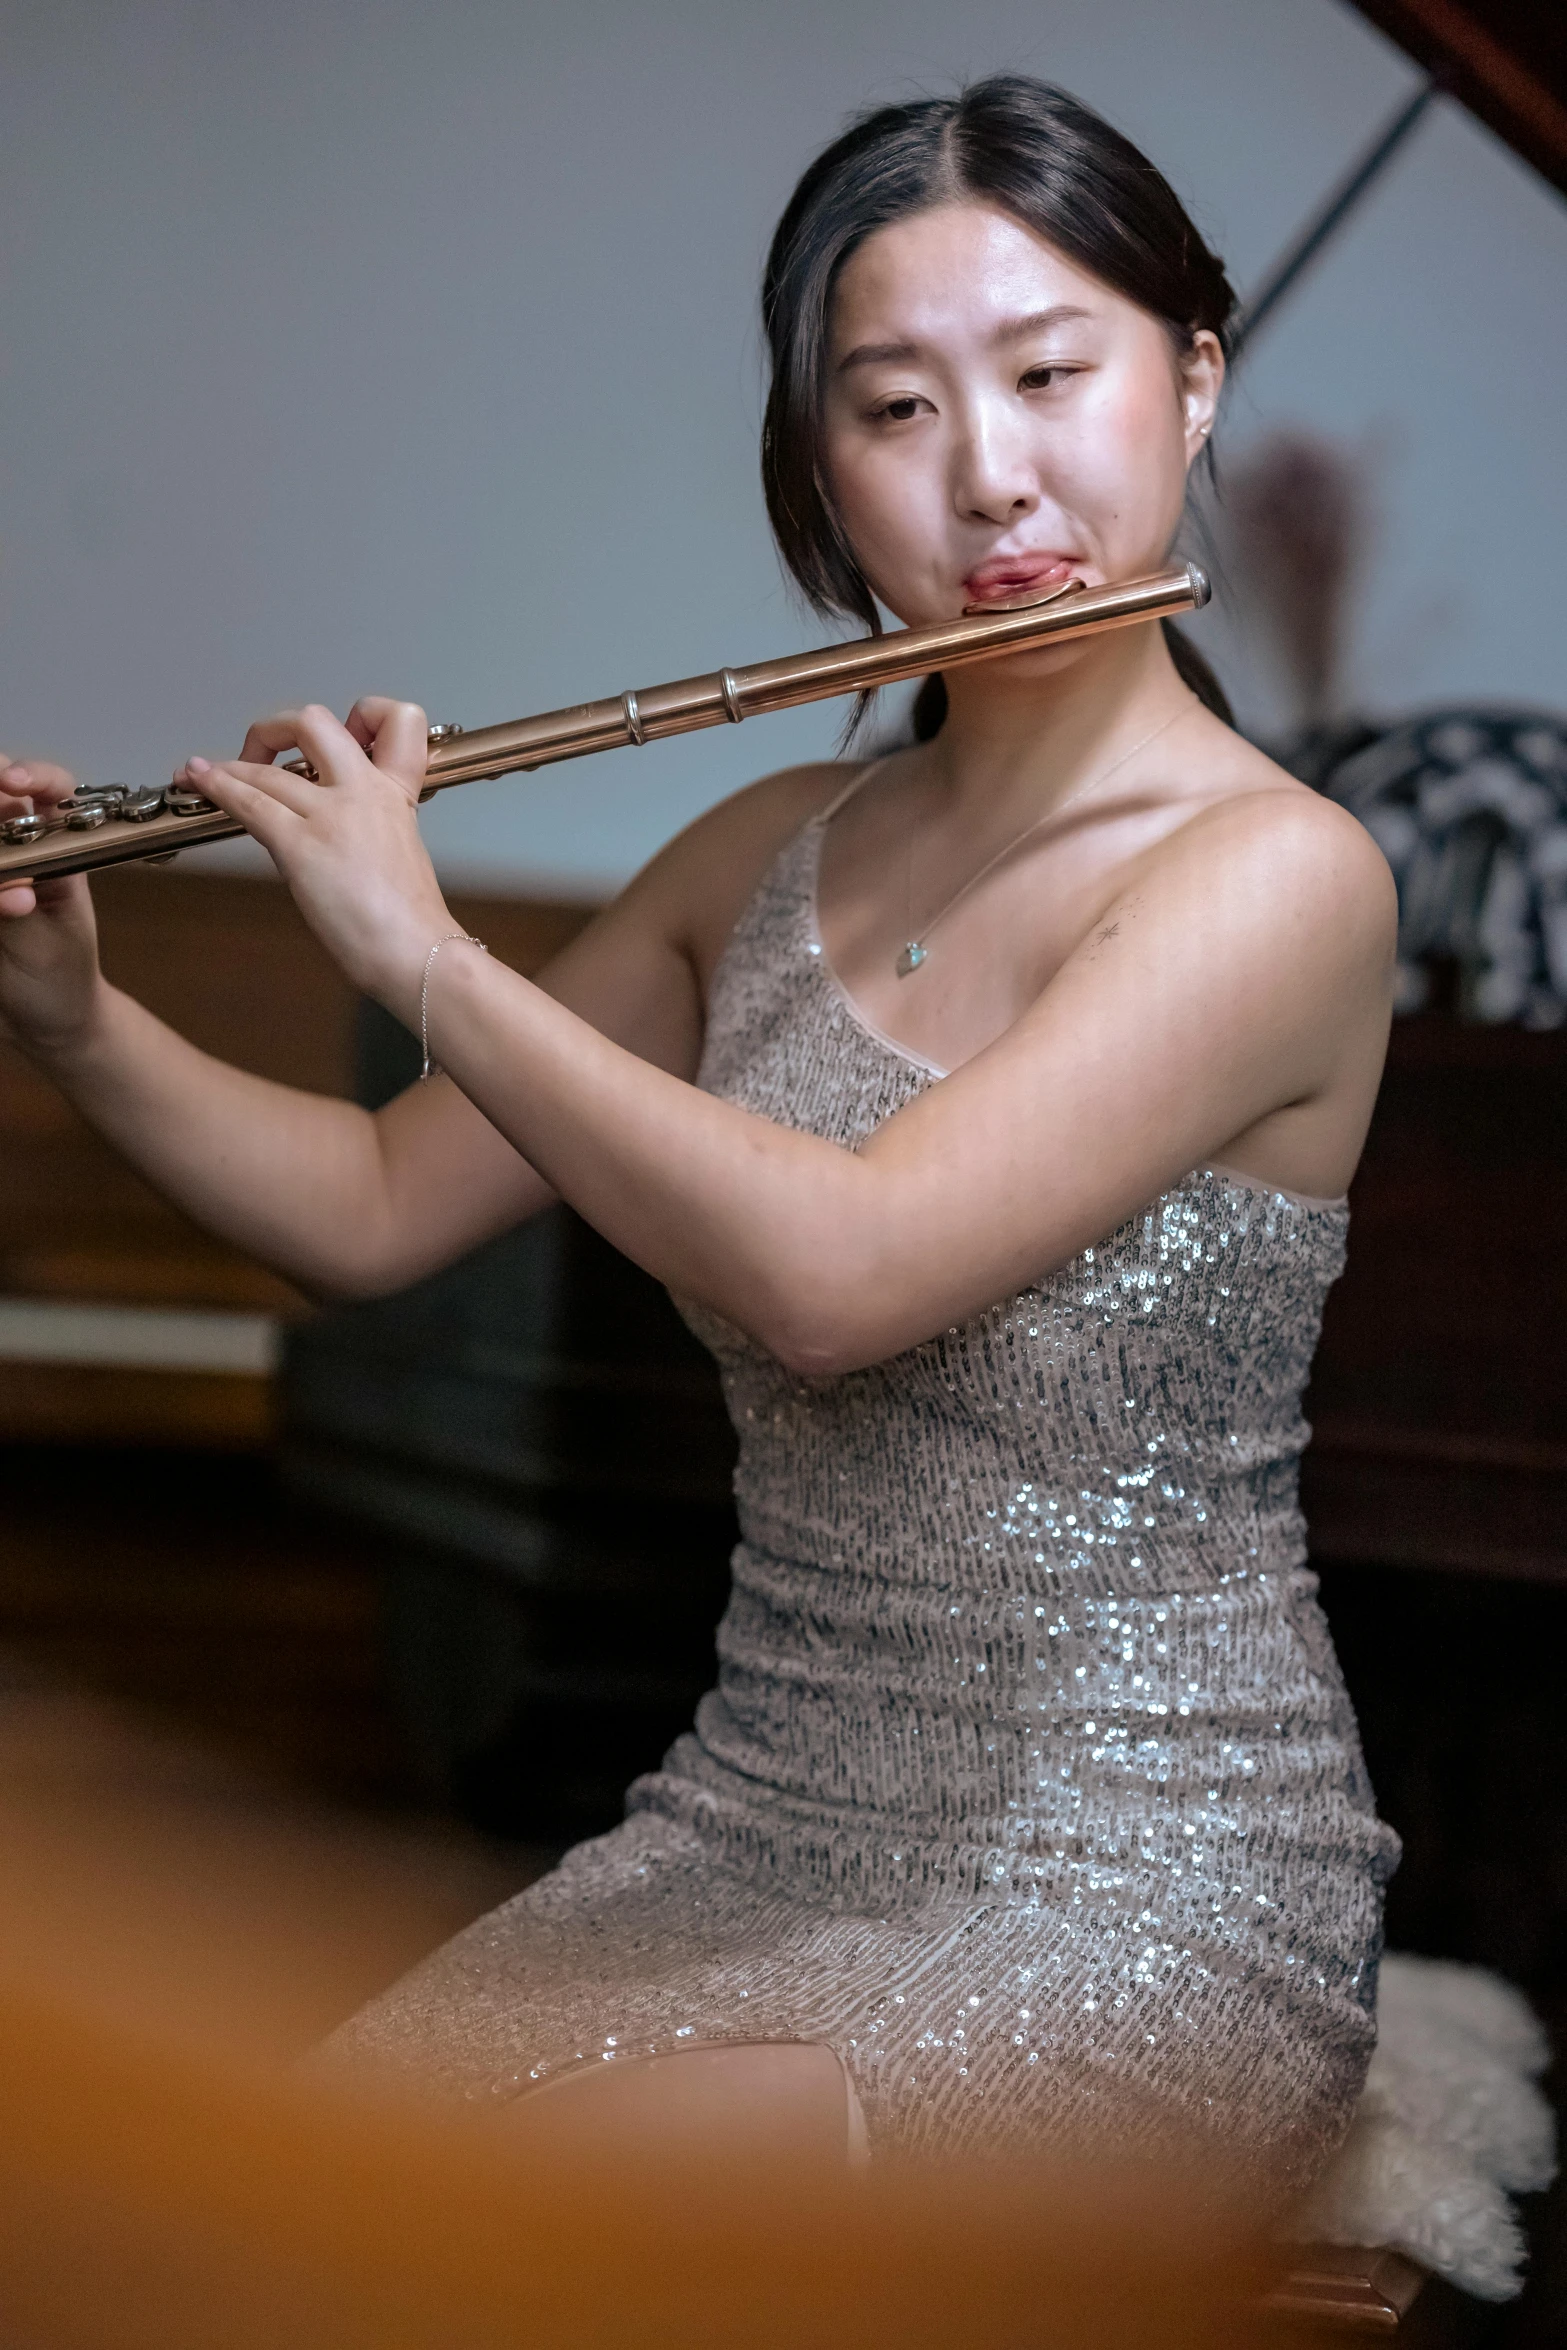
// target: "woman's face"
[[998, 420]]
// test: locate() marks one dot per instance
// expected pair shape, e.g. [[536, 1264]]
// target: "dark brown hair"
[[1011, 141]]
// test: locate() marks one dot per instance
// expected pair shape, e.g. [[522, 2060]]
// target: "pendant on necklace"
[[910, 959]]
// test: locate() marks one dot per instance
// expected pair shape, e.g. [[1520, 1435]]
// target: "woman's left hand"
[[348, 844]]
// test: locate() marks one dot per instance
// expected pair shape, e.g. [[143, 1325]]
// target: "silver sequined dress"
[[1029, 1784]]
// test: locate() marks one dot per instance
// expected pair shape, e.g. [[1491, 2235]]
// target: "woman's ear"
[[1202, 379]]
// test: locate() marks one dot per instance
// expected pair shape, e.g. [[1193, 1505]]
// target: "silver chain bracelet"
[[452, 938]]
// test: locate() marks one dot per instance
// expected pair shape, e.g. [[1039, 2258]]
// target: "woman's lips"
[[1006, 577]]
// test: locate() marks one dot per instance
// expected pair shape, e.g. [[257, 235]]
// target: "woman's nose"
[[993, 479]]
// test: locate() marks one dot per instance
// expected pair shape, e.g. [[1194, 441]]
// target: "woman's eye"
[[1045, 377], [898, 411]]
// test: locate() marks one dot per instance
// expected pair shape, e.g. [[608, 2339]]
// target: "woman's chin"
[[1017, 672]]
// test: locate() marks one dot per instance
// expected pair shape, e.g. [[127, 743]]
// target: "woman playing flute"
[[988, 1108]]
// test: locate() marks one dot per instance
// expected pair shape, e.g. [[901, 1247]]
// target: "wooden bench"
[[1342, 2288]]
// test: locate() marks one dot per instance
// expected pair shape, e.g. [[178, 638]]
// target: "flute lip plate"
[[1068, 587]]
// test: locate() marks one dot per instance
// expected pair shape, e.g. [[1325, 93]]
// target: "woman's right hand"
[[49, 977]]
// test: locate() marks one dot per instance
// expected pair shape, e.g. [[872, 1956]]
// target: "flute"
[[113, 824]]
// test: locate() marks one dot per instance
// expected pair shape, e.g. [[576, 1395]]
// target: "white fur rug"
[[1450, 2125]]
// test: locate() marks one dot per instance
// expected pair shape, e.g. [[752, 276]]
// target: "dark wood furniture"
[[1506, 60], [1439, 1399]]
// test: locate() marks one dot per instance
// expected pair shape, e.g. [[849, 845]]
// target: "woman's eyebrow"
[[1010, 330], [874, 354], [1013, 330]]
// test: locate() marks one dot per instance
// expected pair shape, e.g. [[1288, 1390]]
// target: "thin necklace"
[[915, 949]]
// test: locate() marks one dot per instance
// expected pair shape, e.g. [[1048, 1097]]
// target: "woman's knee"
[[763, 2099]]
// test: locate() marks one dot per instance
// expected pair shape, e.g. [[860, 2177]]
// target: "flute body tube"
[[117, 826]]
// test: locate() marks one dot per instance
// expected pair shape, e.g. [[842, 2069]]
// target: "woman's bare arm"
[[342, 1201]]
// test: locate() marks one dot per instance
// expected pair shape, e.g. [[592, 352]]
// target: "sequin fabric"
[[1029, 1783]]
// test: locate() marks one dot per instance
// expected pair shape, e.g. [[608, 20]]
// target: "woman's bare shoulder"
[[1256, 830], [1257, 799]]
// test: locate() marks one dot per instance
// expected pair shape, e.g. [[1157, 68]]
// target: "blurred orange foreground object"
[[160, 2199], [167, 2184]]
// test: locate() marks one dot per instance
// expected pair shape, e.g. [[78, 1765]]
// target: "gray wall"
[[360, 344]]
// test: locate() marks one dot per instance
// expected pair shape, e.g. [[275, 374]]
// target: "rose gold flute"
[[114, 825]]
